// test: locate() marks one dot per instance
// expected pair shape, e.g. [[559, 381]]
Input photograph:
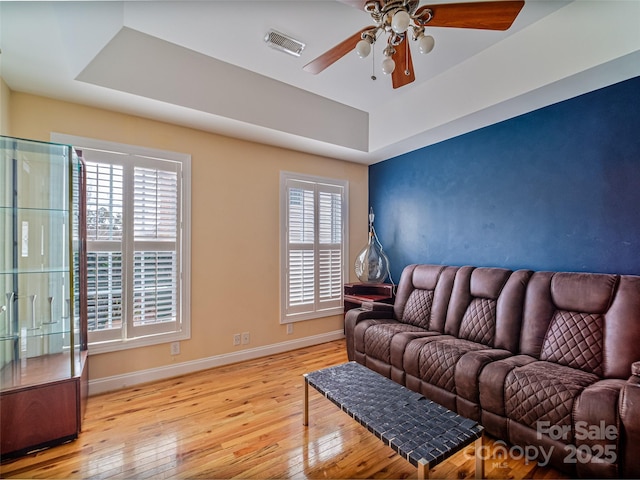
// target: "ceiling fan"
[[398, 17]]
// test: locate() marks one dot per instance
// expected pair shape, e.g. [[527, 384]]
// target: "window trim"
[[284, 242], [184, 333]]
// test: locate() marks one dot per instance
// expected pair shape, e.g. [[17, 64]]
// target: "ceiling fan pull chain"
[[406, 57], [373, 63]]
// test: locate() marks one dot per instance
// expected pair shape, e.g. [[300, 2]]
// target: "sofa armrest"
[[596, 408], [356, 315], [377, 307], [468, 368], [629, 410]]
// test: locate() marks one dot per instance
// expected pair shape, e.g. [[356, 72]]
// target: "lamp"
[[388, 65], [363, 48], [396, 17], [372, 265], [400, 21], [426, 44]]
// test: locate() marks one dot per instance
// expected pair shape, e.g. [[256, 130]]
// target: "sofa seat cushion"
[[492, 379], [378, 336], [434, 359], [543, 393]]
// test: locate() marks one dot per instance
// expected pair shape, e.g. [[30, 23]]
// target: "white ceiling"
[[204, 64]]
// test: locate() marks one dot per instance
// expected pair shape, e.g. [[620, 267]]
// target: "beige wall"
[[235, 219], [5, 96]]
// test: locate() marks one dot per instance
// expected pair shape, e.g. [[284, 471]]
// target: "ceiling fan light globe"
[[388, 66], [400, 22], [426, 44], [363, 48]]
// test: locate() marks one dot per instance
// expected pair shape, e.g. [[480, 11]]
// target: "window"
[[313, 242], [137, 255]]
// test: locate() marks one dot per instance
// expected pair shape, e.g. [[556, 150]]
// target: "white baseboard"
[[117, 382]]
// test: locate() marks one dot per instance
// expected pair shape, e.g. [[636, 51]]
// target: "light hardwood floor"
[[239, 421]]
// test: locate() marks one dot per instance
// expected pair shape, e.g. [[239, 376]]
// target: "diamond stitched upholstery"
[[575, 339], [543, 391], [377, 339], [542, 380], [479, 321], [437, 361], [417, 310]]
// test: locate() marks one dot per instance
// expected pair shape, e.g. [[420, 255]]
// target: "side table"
[[357, 293]]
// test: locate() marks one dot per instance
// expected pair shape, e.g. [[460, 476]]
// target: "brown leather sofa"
[[547, 361]]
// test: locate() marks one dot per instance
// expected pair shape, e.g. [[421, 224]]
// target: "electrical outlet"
[[289, 328], [175, 348], [246, 338], [236, 339]]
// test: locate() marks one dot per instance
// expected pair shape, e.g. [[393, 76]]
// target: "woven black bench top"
[[415, 427]]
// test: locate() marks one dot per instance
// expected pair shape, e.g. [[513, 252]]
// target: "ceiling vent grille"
[[282, 42]]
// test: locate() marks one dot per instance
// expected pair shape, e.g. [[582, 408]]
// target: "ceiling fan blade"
[[497, 15], [331, 56], [403, 74]]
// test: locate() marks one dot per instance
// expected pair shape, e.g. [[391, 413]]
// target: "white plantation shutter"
[[104, 201], [301, 279], [105, 190], [136, 288], [155, 209], [156, 298], [301, 228], [330, 247], [154, 288], [313, 241], [104, 293]]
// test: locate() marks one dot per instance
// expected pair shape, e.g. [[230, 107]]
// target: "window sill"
[[119, 345], [301, 317]]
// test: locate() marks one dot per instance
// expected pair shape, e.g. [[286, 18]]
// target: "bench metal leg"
[[305, 415], [479, 444], [423, 465], [423, 470]]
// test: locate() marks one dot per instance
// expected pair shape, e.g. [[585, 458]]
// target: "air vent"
[[282, 42]]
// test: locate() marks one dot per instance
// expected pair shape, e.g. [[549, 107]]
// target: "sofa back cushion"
[[587, 321], [417, 310], [575, 339], [423, 295], [479, 321], [486, 306]]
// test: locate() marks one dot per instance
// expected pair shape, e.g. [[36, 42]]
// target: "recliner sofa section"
[[543, 359], [420, 309], [482, 325]]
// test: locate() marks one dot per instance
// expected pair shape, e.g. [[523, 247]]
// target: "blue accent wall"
[[554, 189]]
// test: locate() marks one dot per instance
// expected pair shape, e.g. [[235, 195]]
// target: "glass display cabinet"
[[43, 346]]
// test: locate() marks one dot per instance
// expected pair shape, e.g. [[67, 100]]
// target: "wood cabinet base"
[[42, 415]]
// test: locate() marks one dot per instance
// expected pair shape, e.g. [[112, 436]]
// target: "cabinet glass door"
[[38, 258]]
